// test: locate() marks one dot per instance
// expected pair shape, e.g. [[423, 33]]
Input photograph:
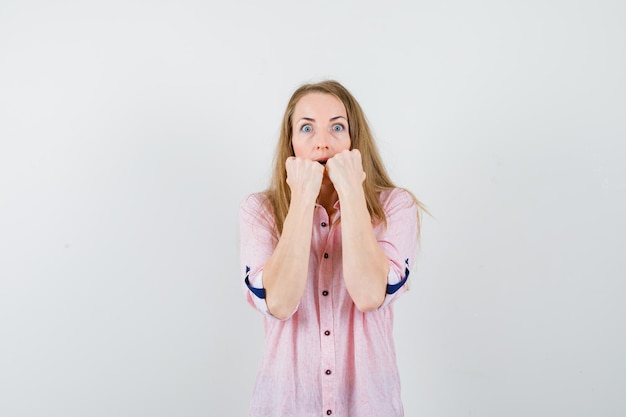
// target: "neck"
[[327, 197]]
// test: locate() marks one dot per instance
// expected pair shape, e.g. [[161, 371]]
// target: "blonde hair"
[[376, 177]]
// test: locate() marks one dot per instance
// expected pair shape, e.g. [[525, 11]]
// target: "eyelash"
[[311, 129]]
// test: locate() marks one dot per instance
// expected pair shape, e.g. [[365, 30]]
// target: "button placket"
[[323, 220], [327, 342]]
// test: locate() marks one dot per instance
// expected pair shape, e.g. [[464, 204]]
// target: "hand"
[[304, 178], [345, 170]]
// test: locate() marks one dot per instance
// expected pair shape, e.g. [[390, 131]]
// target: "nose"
[[322, 140]]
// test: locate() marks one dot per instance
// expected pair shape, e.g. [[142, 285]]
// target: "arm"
[[285, 273], [365, 265]]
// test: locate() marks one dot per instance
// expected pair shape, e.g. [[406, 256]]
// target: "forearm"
[[285, 272], [365, 265]]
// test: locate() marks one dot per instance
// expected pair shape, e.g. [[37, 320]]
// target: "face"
[[320, 127]]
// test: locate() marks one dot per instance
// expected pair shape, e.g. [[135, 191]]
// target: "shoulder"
[[257, 205], [396, 198], [255, 201]]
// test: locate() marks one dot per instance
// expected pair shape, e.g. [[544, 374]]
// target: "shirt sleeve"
[[257, 239], [399, 241]]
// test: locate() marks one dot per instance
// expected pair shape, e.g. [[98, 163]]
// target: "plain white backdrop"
[[130, 131]]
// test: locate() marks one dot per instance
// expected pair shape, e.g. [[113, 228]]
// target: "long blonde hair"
[[376, 177]]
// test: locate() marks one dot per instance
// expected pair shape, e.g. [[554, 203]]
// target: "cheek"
[[297, 147], [347, 143]]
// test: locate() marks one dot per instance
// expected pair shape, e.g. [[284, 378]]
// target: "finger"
[[318, 168]]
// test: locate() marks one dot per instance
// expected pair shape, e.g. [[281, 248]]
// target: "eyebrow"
[[309, 119]]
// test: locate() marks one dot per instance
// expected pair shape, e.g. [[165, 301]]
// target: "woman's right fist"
[[304, 177]]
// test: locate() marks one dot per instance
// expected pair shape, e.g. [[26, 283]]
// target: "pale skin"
[[321, 134]]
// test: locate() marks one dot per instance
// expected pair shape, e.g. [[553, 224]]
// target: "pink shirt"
[[328, 358]]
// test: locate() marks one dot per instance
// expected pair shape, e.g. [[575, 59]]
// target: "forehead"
[[322, 105]]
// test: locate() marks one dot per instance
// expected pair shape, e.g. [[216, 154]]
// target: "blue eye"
[[306, 129], [338, 127]]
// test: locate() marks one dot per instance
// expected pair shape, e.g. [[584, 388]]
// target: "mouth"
[[323, 162]]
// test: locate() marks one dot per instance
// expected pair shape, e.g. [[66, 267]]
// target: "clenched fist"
[[304, 178], [345, 170]]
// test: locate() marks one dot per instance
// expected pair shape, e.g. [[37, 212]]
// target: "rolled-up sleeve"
[[257, 239], [398, 240]]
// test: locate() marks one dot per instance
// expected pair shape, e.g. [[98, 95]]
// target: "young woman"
[[325, 250]]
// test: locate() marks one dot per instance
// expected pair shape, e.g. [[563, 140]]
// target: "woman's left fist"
[[345, 170]]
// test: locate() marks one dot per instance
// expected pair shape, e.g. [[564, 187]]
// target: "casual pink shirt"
[[328, 358]]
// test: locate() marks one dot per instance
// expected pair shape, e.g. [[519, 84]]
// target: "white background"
[[130, 131]]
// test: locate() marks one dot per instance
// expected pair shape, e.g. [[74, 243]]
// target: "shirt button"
[[325, 256], [329, 412], [324, 293], [327, 332], [328, 372], [324, 224]]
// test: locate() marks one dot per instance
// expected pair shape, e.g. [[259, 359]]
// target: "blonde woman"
[[325, 251]]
